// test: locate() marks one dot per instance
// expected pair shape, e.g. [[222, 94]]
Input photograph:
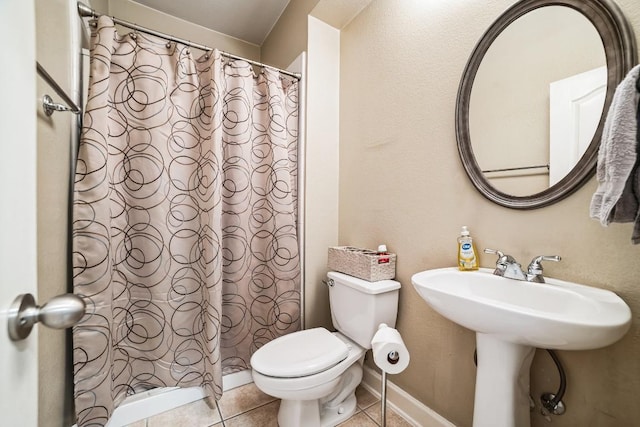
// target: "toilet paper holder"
[[393, 357]]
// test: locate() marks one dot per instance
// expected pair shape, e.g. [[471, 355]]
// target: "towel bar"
[[47, 103]]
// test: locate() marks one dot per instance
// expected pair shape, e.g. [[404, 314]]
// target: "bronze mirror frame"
[[621, 55]]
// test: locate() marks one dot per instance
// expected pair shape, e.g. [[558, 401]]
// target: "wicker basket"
[[362, 263]]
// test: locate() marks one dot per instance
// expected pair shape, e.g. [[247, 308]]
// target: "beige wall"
[[288, 38], [153, 19], [402, 183]]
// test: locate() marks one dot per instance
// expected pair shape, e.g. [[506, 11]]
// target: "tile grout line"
[[371, 418], [245, 412], [364, 410]]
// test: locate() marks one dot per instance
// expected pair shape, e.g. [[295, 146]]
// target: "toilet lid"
[[300, 354]]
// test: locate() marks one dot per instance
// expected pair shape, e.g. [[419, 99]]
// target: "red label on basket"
[[383, 259]]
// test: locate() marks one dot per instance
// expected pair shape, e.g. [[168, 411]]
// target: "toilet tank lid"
[[300, 354], [365, 286]]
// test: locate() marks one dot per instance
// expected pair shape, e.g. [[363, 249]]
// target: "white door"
[[18, 265], [575, 106]]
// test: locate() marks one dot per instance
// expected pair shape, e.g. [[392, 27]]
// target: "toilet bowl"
[[323, 398], [315, 372]]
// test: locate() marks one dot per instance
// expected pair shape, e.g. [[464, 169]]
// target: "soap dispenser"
[[467, 253]]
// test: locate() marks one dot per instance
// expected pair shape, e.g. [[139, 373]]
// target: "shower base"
[[153, 402]]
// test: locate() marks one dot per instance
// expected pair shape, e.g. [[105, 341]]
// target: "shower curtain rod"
[[87, 12]]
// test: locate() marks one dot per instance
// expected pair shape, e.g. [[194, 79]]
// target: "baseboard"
[[403, 403], [237, 379]]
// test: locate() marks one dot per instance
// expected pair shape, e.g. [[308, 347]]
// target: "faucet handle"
[[494, 251], [502, 257], [535, 267], [507, 266], [502, 262]]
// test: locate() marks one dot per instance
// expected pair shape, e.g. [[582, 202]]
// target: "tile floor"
[[246, 406]]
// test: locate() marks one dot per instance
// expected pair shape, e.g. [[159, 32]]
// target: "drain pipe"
[[552, 403]]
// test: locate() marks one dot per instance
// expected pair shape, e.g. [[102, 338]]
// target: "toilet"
[[315, 372]]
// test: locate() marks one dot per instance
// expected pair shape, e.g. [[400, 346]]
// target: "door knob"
[[62, 311]]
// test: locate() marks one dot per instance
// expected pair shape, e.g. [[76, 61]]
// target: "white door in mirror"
[[575, 106]]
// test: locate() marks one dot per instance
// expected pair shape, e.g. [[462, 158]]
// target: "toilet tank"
[[359, 306]]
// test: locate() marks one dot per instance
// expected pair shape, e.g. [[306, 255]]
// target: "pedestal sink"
[[511, 318]]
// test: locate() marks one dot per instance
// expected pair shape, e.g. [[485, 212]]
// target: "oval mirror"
[[534, 95]]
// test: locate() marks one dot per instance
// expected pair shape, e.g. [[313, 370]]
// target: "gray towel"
[[615, 199], [635, 237]]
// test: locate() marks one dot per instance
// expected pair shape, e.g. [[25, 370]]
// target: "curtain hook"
[[134, 34]]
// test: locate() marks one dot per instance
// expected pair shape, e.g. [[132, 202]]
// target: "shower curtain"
[[184, 219]]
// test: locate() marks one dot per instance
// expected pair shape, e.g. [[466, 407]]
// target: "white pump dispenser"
[[467, 253]]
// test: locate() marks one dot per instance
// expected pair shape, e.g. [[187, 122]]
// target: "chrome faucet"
[[508, 267]]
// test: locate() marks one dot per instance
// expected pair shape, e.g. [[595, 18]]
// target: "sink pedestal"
[[502, 383]]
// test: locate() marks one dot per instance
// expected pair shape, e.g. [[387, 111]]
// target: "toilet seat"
[[311, 386], [300, 354]]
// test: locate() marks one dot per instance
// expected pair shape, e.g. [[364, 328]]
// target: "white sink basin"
[[556, 314], [511, 318]]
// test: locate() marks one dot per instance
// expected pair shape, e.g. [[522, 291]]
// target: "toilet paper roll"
[[389, 352]]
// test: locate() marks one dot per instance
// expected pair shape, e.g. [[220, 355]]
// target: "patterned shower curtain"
[[185, 246]]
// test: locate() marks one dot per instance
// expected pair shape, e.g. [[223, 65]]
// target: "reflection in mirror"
[[509, 113], [519, 136]]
